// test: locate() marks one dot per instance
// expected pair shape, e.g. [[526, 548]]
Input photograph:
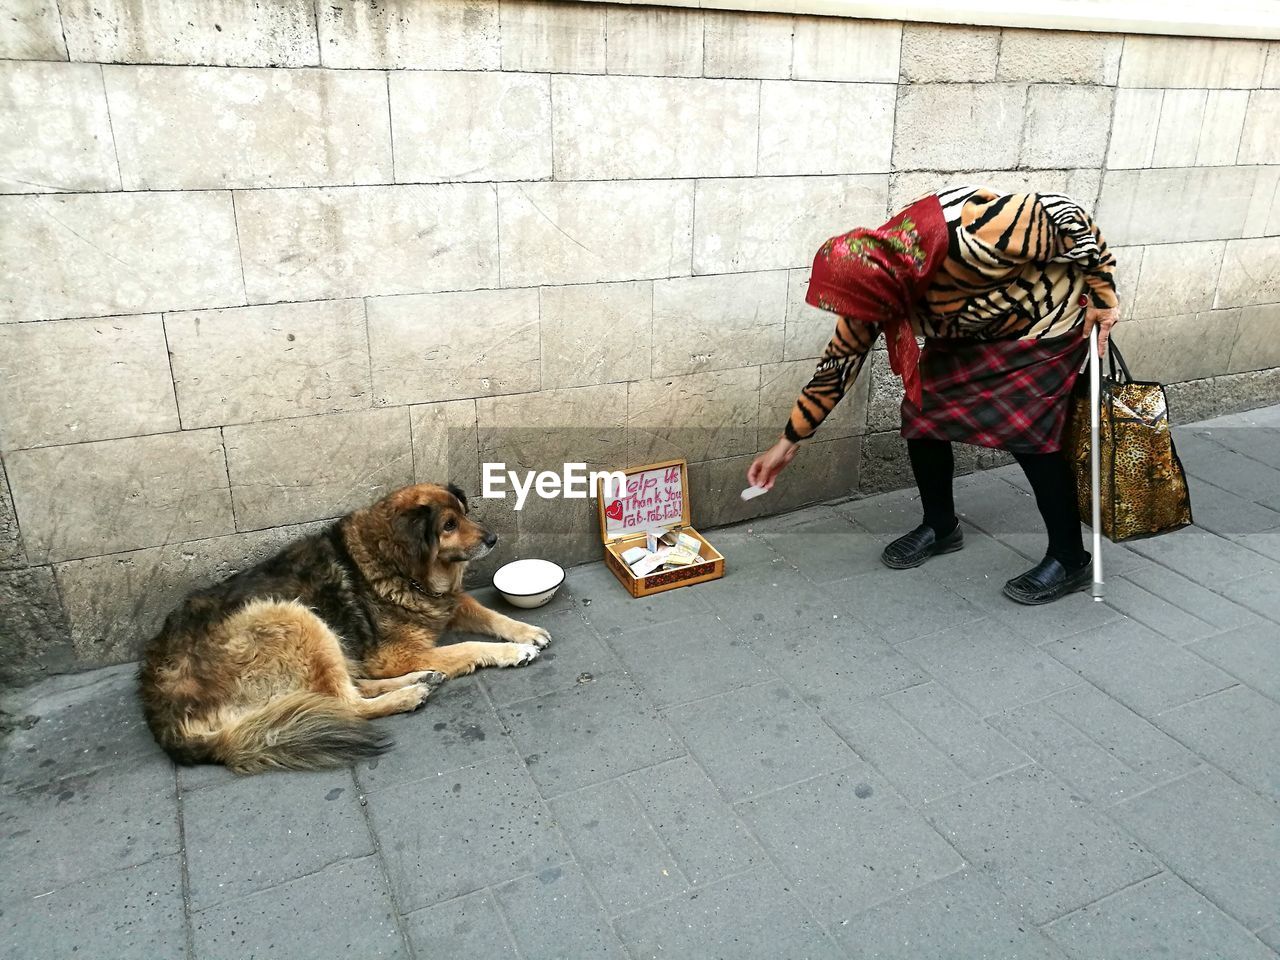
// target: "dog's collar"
[[423, 590]]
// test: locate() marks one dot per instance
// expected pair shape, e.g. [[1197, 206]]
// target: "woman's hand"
[[769, 464], [1105, 320]]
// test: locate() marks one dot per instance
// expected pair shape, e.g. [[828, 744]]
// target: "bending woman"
[[1005, 289]]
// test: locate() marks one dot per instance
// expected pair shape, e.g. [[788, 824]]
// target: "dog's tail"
[[298, 731]]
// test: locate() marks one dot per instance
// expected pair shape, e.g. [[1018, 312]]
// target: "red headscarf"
[[878, 275]]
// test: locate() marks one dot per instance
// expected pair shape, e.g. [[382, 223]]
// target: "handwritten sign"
[[653, 498]]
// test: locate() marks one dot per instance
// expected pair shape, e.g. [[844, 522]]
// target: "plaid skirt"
[[1009, 394]]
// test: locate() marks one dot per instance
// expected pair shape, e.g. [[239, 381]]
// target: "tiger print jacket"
[[1017, 266]]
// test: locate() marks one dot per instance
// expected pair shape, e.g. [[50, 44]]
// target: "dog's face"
[[433, 524]]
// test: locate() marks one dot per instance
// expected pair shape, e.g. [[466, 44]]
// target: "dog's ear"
[[457, 492], [416, 530]]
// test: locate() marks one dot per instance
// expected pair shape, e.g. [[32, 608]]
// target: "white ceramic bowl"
[[528, 583]]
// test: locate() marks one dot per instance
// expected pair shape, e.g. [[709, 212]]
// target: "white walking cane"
[[1095, 426]]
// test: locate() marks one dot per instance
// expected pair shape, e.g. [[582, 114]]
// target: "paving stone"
[[1270, 936], [918, 769], [987, 666], [745, 551], [1069, 753], [755, 740], [1214, 728], [847, 840], [1189, 595], [1258, 593], [1217, 835], [85, 723], [592, 732], [607, 605], [1135, 742], [1131, 601], [1254, 440], [1204, 557], [1138, 667], [956, 731], [575, 650], [624, 860], [455, 728], [901, 605], [465, 928], [777, 608], [700, 830], [294, 823], [828, 548], [886, 516], [1050, 621], [838, 661], [552, 913], [697, 658], [482, 825], [1226, 514], [752, 915], [343, 908], [132, 912], [1251, 654], [999, 826], [939, 921], [1161, 911], [978, 571], [86, 825]]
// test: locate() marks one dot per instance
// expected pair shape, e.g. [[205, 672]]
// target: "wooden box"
[[656, 496]]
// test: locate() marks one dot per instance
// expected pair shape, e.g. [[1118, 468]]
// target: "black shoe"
[[919, 545], [1049, 580]]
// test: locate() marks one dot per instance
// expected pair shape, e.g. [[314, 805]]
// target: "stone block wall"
[[261, 262]]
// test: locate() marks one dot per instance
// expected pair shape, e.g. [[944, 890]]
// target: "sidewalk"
[[814, 757]]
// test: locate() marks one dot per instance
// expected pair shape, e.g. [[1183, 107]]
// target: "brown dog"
[[282, 665]]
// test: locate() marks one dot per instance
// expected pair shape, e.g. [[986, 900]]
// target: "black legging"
[[1048, 473]]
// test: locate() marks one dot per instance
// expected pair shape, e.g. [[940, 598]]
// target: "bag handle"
[[1116, 360]]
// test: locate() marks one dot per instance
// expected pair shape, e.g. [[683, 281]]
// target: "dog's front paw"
[[429, 678], [523, 653], [528, 633]]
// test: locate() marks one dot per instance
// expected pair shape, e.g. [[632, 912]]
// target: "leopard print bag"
[[1144, 487]]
